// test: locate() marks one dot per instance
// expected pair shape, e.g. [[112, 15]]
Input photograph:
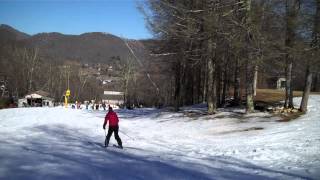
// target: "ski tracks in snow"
[[58, 143]]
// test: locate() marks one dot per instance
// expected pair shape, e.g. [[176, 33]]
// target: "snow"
[[60, 143]]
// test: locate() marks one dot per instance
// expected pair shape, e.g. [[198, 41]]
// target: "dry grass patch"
[[286, 117], [273, 95]]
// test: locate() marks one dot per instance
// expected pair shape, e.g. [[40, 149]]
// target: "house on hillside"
[[107, 81], [113, 98], [271, 82], [281, 83], [36, 99], [3, 86]]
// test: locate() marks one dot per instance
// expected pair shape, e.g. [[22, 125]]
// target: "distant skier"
[[113, 127], [104, 106]]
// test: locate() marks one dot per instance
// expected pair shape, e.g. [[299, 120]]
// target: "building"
[[281, 83], [36, 99], [3, 86], [271, 82], [113, 98]]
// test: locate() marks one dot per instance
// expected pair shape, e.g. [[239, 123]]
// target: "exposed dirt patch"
[[253, 129], [287, 117], [243, 130], [273, 95], [193, 114]]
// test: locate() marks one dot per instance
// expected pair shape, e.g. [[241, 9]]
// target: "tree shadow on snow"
[[60, 152], [127, 114]]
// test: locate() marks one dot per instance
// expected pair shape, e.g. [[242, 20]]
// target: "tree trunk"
[[211, 96], [288, 101], [315, 83], [236, 93], [255, 80], [197, 85], [236, 84], [316, 45], [225, 85], [177, 87], [249, 87], [218, 78], [292, 7], [306, 91], [33, 63], [249, 60], [205, 82], [183, 82]]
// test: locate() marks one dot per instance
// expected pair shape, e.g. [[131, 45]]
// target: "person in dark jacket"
[[104, 106], [113, 127]]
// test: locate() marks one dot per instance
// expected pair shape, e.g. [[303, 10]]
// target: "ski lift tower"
[[66, 97]]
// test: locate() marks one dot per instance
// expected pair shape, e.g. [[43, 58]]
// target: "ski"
[[116, 146]]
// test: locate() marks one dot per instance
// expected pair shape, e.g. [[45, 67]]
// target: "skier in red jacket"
[[113, 127]]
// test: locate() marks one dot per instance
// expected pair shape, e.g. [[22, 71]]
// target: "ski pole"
[[105, 140], [127, 135]]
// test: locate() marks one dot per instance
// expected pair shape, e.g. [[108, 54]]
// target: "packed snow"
[[65, 143]]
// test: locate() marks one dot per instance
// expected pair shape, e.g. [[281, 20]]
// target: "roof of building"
[[113, 93], [42, 93], [39, 94], [112, 97]]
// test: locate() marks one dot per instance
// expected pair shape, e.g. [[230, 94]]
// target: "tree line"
[[25, 71], [214, 47]]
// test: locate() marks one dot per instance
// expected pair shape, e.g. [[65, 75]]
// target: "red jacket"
[[113, 119]]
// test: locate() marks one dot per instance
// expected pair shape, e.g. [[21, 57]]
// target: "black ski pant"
[[112, 129]]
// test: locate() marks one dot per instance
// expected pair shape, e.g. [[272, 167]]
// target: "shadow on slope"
[[60, 152]]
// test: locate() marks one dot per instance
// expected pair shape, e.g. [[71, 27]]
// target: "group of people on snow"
[[95, 106]]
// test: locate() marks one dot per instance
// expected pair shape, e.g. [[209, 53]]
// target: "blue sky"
[[118, 17]]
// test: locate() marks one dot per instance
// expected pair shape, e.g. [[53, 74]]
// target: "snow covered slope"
[[59, 143]]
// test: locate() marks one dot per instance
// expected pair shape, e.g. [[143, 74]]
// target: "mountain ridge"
[[10, 33], [89, 47]]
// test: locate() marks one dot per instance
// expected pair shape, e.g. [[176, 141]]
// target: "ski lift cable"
[[140, 63]]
